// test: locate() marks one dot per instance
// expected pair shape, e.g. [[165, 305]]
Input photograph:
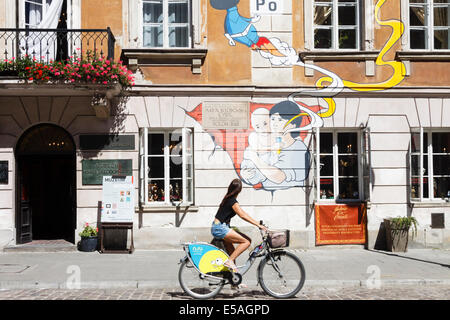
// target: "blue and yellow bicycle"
[[281, 274]]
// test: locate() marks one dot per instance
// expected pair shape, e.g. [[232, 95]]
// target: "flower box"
[[9, 73]]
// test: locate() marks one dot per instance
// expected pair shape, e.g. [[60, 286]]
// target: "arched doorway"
[[46, 185]]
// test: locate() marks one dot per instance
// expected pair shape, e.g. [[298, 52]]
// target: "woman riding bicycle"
[[220, 229]]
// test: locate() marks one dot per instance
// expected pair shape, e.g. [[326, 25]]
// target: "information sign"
[[118, 199]]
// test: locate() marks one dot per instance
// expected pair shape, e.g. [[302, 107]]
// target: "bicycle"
[[202, 275]]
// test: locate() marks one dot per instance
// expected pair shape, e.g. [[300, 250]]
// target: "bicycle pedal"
[[234, 278]]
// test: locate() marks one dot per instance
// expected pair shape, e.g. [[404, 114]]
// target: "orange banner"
[[341, 224]]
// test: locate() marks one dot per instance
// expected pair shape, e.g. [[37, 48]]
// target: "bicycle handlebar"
[[261, 223]]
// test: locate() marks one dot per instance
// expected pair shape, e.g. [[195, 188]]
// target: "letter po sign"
[[266, 7]]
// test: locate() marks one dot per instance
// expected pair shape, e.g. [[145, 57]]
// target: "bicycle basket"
[[278, 238]]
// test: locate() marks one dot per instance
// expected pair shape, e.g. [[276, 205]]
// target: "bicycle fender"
[[183, 259]]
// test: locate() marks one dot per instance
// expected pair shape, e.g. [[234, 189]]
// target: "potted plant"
[[397, 232], [89, 239]]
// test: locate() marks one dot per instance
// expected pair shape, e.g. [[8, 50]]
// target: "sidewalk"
[[325, 267]]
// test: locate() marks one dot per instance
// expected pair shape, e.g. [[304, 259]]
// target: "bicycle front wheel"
[[197, 285], [281, 274]]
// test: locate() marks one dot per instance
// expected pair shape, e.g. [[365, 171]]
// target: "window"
[[429, 24], [35, 10], [166, 23], [339, 166], [166, 167], [430, 170], [44, 14], [336, 24]]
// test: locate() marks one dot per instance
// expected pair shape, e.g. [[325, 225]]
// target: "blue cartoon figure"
[[241, 29]]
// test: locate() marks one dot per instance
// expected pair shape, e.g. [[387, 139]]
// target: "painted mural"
[[271, 154]]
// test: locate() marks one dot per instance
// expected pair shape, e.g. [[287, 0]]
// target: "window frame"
[[73, 14], [430, 165], [165, 4], [335, 26], [429, 27], [43, 4], [144, 167], [336, 176]]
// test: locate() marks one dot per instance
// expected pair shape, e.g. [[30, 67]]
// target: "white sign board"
[[225, 115], [118, 199], [266, 7]]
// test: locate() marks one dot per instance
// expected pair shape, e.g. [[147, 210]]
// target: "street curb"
[[146, 284], [381, 283]]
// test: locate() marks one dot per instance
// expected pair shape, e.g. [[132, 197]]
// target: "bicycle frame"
[[260, 250]]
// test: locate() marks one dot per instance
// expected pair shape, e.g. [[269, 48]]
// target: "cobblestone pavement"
[[408, 292]]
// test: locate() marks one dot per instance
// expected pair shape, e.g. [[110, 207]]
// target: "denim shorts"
[[219, 230]]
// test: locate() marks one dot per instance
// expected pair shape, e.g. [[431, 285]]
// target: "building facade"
[[309, 103]]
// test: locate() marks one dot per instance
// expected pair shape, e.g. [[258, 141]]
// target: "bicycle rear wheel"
[[196, 284], [281, 274]]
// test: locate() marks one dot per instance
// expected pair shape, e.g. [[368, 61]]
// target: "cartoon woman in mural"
[[241, 29], [286, 164]]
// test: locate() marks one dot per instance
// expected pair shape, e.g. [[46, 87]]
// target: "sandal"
[[230, 265]]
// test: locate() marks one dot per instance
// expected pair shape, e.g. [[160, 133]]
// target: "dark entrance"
[[46, 185]]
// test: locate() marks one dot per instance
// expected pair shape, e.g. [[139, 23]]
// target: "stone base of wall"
[[425, 238], [6, 238], [173, 238]]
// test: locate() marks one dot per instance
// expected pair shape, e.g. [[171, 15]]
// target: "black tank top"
[[226, 212]]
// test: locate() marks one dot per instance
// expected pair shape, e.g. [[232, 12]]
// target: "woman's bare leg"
[[228, 246], [242, 241]]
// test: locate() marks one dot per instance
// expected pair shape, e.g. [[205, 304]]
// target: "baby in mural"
[[241, 29], [261, 141]]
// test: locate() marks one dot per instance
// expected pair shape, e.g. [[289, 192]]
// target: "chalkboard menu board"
[[93, 171], [3, 172]]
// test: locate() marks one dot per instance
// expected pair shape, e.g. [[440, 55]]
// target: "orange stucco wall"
[[227, 65], [100, 14]]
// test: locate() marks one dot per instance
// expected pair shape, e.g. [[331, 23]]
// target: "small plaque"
[[437, 221], [225, 115], [4, 172], [106, 142], [93, 171]]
